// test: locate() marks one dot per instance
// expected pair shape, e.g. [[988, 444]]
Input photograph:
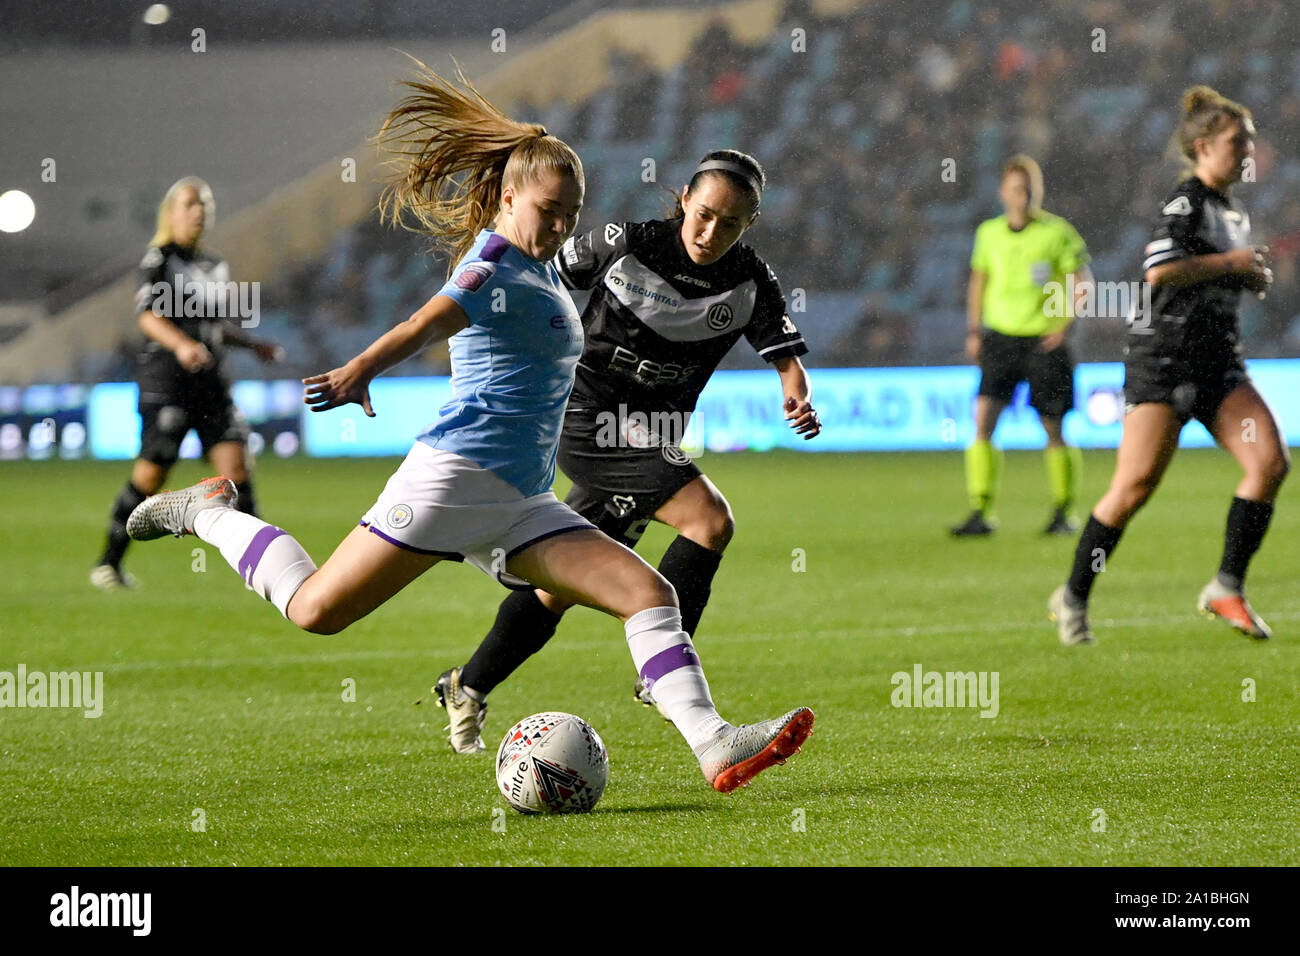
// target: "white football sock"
[[268, 558], [666, 660]]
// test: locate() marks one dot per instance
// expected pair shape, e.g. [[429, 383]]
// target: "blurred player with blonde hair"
[[182, 384], [1184, 361]]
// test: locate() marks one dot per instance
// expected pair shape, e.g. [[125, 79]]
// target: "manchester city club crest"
[[399, 516]]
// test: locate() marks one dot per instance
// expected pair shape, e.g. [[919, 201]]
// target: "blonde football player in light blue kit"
[[476, 485]]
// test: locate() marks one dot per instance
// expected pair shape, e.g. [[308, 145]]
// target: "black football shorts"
[[1194, 388], [622, 474], [1008, 360], [165, 420]]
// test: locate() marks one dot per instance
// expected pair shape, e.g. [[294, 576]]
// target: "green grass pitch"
[[1139, 750]]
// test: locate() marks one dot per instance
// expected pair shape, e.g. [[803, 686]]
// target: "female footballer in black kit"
[[1184, 360], [179, 371], [670, 298]]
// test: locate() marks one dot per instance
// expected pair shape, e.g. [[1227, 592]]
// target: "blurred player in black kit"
[[182, 385], [670, 298], [1184, 360]]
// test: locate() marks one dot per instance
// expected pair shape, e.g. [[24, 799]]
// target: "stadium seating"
[[854, 130]]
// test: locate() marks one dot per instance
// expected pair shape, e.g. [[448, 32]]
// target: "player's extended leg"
[[1063, 466], [1245, 427], [701, 515], [525, 621], [230, 458], [983, 469], [1148, 444], [587, 567], [363, 572]]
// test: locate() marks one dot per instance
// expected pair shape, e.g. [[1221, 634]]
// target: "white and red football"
[[552, 763]]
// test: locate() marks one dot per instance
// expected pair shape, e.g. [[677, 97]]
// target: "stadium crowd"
[[883, 131]]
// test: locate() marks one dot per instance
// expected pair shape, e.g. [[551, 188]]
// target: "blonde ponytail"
[[1205, 113], [452, 152]]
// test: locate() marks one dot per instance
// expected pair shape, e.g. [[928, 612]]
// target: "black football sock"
[[245, 502], [1247, 523], [1096, 544], [118, 539], [689, 568], [522, 628]]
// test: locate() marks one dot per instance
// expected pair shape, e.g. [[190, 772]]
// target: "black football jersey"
[[1195, 220], [657, 324], [192, 289]]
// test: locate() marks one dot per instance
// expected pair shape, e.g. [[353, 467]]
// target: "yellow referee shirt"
[[1021, 266]]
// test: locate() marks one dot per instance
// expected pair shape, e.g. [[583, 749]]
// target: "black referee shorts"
[[165, 418], [618, 486], [1008, 360]]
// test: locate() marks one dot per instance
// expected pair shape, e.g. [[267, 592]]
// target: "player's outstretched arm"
[[797, 387], [266, 350], [438, 319]]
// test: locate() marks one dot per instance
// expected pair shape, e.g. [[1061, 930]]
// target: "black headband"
[[726, 165]]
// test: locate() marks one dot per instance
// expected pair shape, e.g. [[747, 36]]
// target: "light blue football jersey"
[[512, 368]]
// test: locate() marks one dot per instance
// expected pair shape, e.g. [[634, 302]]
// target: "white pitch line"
[[1191, 619], [1044, 625]]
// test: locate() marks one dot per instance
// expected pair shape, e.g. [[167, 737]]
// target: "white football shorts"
[[440, 503]]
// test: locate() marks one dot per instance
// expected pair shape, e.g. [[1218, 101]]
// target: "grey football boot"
[[739, 754], [173, 512]]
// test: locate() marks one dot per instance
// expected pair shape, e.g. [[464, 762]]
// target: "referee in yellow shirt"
[[1015, 334]]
